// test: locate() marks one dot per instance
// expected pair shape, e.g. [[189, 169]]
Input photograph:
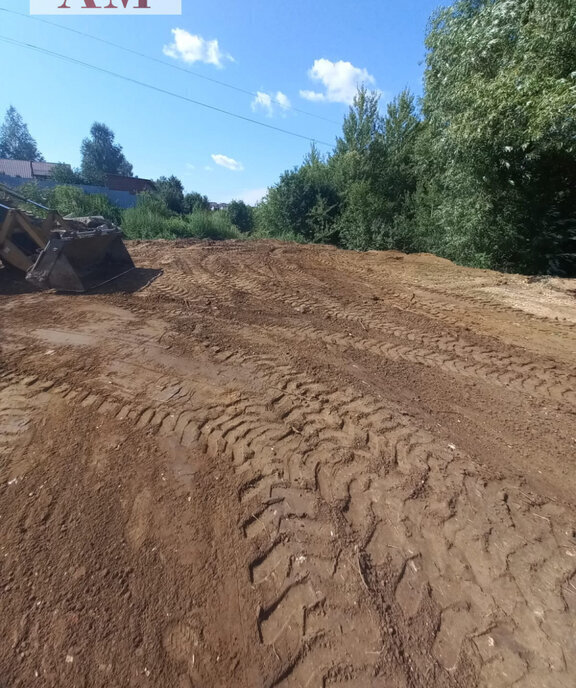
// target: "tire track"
[[517, 372], [449, 302], [377, 554], [342, 497], [451, 354]]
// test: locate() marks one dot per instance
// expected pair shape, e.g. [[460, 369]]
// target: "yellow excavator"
[[65, 254]]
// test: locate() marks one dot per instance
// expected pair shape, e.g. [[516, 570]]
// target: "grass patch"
[[151, 219]]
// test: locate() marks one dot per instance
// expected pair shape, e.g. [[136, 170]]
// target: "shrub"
[[241, 216], [151, 219], [195, 201], [70, 200], [32, 191], [211, 225]]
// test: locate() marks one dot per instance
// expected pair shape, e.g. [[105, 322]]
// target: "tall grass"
[[262, 232], [69, 200], [150, 219], [204, 224]]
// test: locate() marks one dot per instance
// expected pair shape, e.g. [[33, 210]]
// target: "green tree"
[[500, 94], [360, 128], [379, 197], [171, 191], [241, 216], [305, 202], [64, 174], [16, 142], [483, 175], [362, 123], [101, 156], [195, 201]]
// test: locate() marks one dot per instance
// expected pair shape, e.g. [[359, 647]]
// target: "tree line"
[[481, 170], [101, 156]]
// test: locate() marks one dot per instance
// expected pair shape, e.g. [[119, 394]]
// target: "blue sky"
[[295, 54]]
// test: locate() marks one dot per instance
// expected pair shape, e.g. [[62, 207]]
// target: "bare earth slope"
[[278, 465]]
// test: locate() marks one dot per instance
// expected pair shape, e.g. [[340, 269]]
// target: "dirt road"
[[262, 464]]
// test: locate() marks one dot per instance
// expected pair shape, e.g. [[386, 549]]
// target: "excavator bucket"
[[78, 261], [66, 254]]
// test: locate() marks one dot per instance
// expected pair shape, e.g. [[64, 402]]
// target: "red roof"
[[134, 185], [25, 168], [16, 168], [42, 169]]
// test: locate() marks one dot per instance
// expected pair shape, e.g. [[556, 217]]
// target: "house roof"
[[25, 168], [134, 185], [42, 169], [16, 168]]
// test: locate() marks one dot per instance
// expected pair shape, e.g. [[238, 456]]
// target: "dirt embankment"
[[277, 465]]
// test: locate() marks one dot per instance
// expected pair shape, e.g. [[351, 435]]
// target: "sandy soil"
[[262, 464]]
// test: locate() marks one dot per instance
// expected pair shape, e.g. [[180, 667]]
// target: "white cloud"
[[340, 80], [191, 48], [270, 102], [262, 101], [283, 100], [190, 166], [252, 196], [228, 163], [313, 95]]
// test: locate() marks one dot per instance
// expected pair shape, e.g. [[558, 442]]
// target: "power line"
[[158, 61], [73, 60]]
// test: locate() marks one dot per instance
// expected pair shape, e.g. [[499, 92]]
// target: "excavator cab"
[[73, 255]]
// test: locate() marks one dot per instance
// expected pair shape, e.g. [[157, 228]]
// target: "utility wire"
[[73, 60], [155, 59]]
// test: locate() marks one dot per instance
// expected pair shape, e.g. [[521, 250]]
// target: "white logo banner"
[[110, 8]]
